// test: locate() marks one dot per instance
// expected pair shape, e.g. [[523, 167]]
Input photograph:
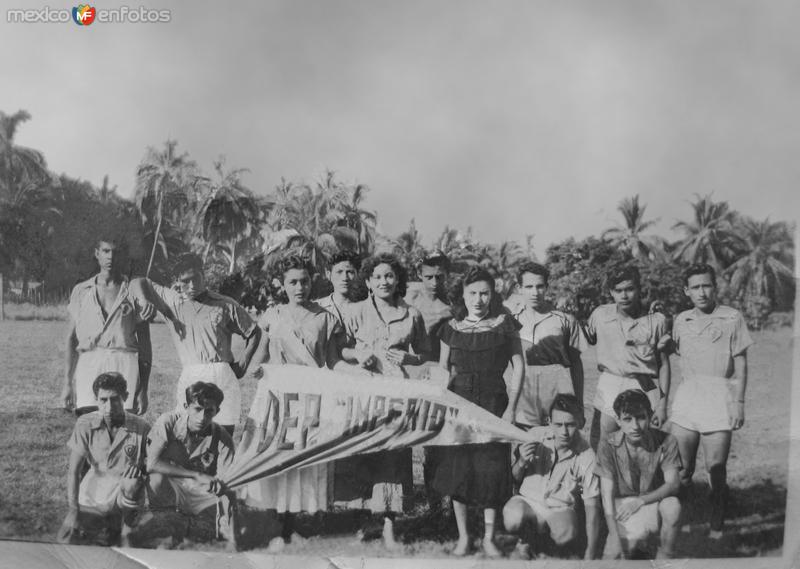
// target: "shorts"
[[101, 494], [610, 385], [559, 521], [645, 522], [540, 386], [703, 404], [189, 496], [92, 363], [221, 375]]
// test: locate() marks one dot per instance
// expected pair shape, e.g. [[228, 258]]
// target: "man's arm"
[[592, 509], [576, 372], [613, 542], [740, 375], [70, 523], [664, 380], [517, 374], [68, 392], [141, 401], [251, 345], [145, 296], [670, 487]]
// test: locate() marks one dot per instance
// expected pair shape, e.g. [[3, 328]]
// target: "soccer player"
[[186, 453], [112, 442], [552, 343], [342, 274], [203, 325], [712, 341], [638, 468], [431, 299], [552, 475], [627, 340], [107, 332]]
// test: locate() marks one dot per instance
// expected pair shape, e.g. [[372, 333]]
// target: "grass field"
[[34, 432]]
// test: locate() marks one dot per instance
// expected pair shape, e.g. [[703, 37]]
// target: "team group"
[[520, 361]]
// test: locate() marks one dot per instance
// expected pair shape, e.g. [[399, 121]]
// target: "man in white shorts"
[[112, 442], [552, 343], [712, 342], [628, 356], [203, 325], [553, 476], [187, 452], [638, 468], [106, 333]]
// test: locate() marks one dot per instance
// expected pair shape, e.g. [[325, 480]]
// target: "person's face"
[[200, 416], [297, 284], [533, 288], [191, 284], [476, 298], [433, 278], [634, 426], [625, 294], [701, 291], [107, 255], [111, 404], [564, 426], [342, 276], [383, 282]]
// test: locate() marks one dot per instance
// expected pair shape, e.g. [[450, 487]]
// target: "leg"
[[489, 548], [520, 519], [563, 526], [460, 513], [688, 441], [716, 446], [669, 511], [389, 540]]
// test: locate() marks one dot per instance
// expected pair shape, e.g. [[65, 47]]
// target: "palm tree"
[[229, 214], [765, 264], [408, 246], [20, 168], [709, 237], [360, 220], [164, 178], [629, 236]]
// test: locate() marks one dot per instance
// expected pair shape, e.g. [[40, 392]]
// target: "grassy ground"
[[34, 433]]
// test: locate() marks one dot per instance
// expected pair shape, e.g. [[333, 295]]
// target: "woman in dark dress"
[[477, 346]]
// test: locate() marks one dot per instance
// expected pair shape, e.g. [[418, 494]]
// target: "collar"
[[612, 315], [181, 428], [695, 314], [97, 421], [401, 305], [578, 446]]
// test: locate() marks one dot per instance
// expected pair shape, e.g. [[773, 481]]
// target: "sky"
[[513, 117]]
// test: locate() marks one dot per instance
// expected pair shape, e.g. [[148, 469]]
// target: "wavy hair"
[[368, 267]]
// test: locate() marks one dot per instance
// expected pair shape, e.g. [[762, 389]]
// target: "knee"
[[670, 510], [564, 532], [513, 515]]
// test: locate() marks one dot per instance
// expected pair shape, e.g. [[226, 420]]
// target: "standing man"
[[552, 343], [106, 334], [112, 442], [431, 299], [342, 274], [712, 342], [627, 340], [203, 325]]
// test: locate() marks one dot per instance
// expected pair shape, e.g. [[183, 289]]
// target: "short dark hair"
[[346, 256], [202, 392], [435, 259], [622, 274], [107, 237], [290, 262], [473, 275], [185, 263], [112, 381], [535, 269], [568, 403], [632, 402], [699, 269], [369, 265]]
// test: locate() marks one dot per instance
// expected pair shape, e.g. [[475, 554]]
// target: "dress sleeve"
[[446, 333]]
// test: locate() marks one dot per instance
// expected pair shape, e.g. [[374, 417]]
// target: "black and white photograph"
[[334, 283]]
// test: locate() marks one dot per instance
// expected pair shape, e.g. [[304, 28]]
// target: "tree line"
[[48, 224]]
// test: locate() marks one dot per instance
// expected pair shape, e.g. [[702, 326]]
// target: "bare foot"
[[388, 536], [276, 545], [461, 548], [490, 549]]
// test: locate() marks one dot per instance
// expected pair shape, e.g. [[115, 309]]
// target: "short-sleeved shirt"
[[209, 326], [626, 346], [116, 330], [209, 452], [366, 330], [91, 439], [707, 343], [338, 310], [557, 479], [637, 474], [435, 313], [301, 338], [548, 338]]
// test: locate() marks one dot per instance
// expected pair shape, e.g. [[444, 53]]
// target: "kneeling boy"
[[639, 481], [188, 450], [112, 441], [554, 474]]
